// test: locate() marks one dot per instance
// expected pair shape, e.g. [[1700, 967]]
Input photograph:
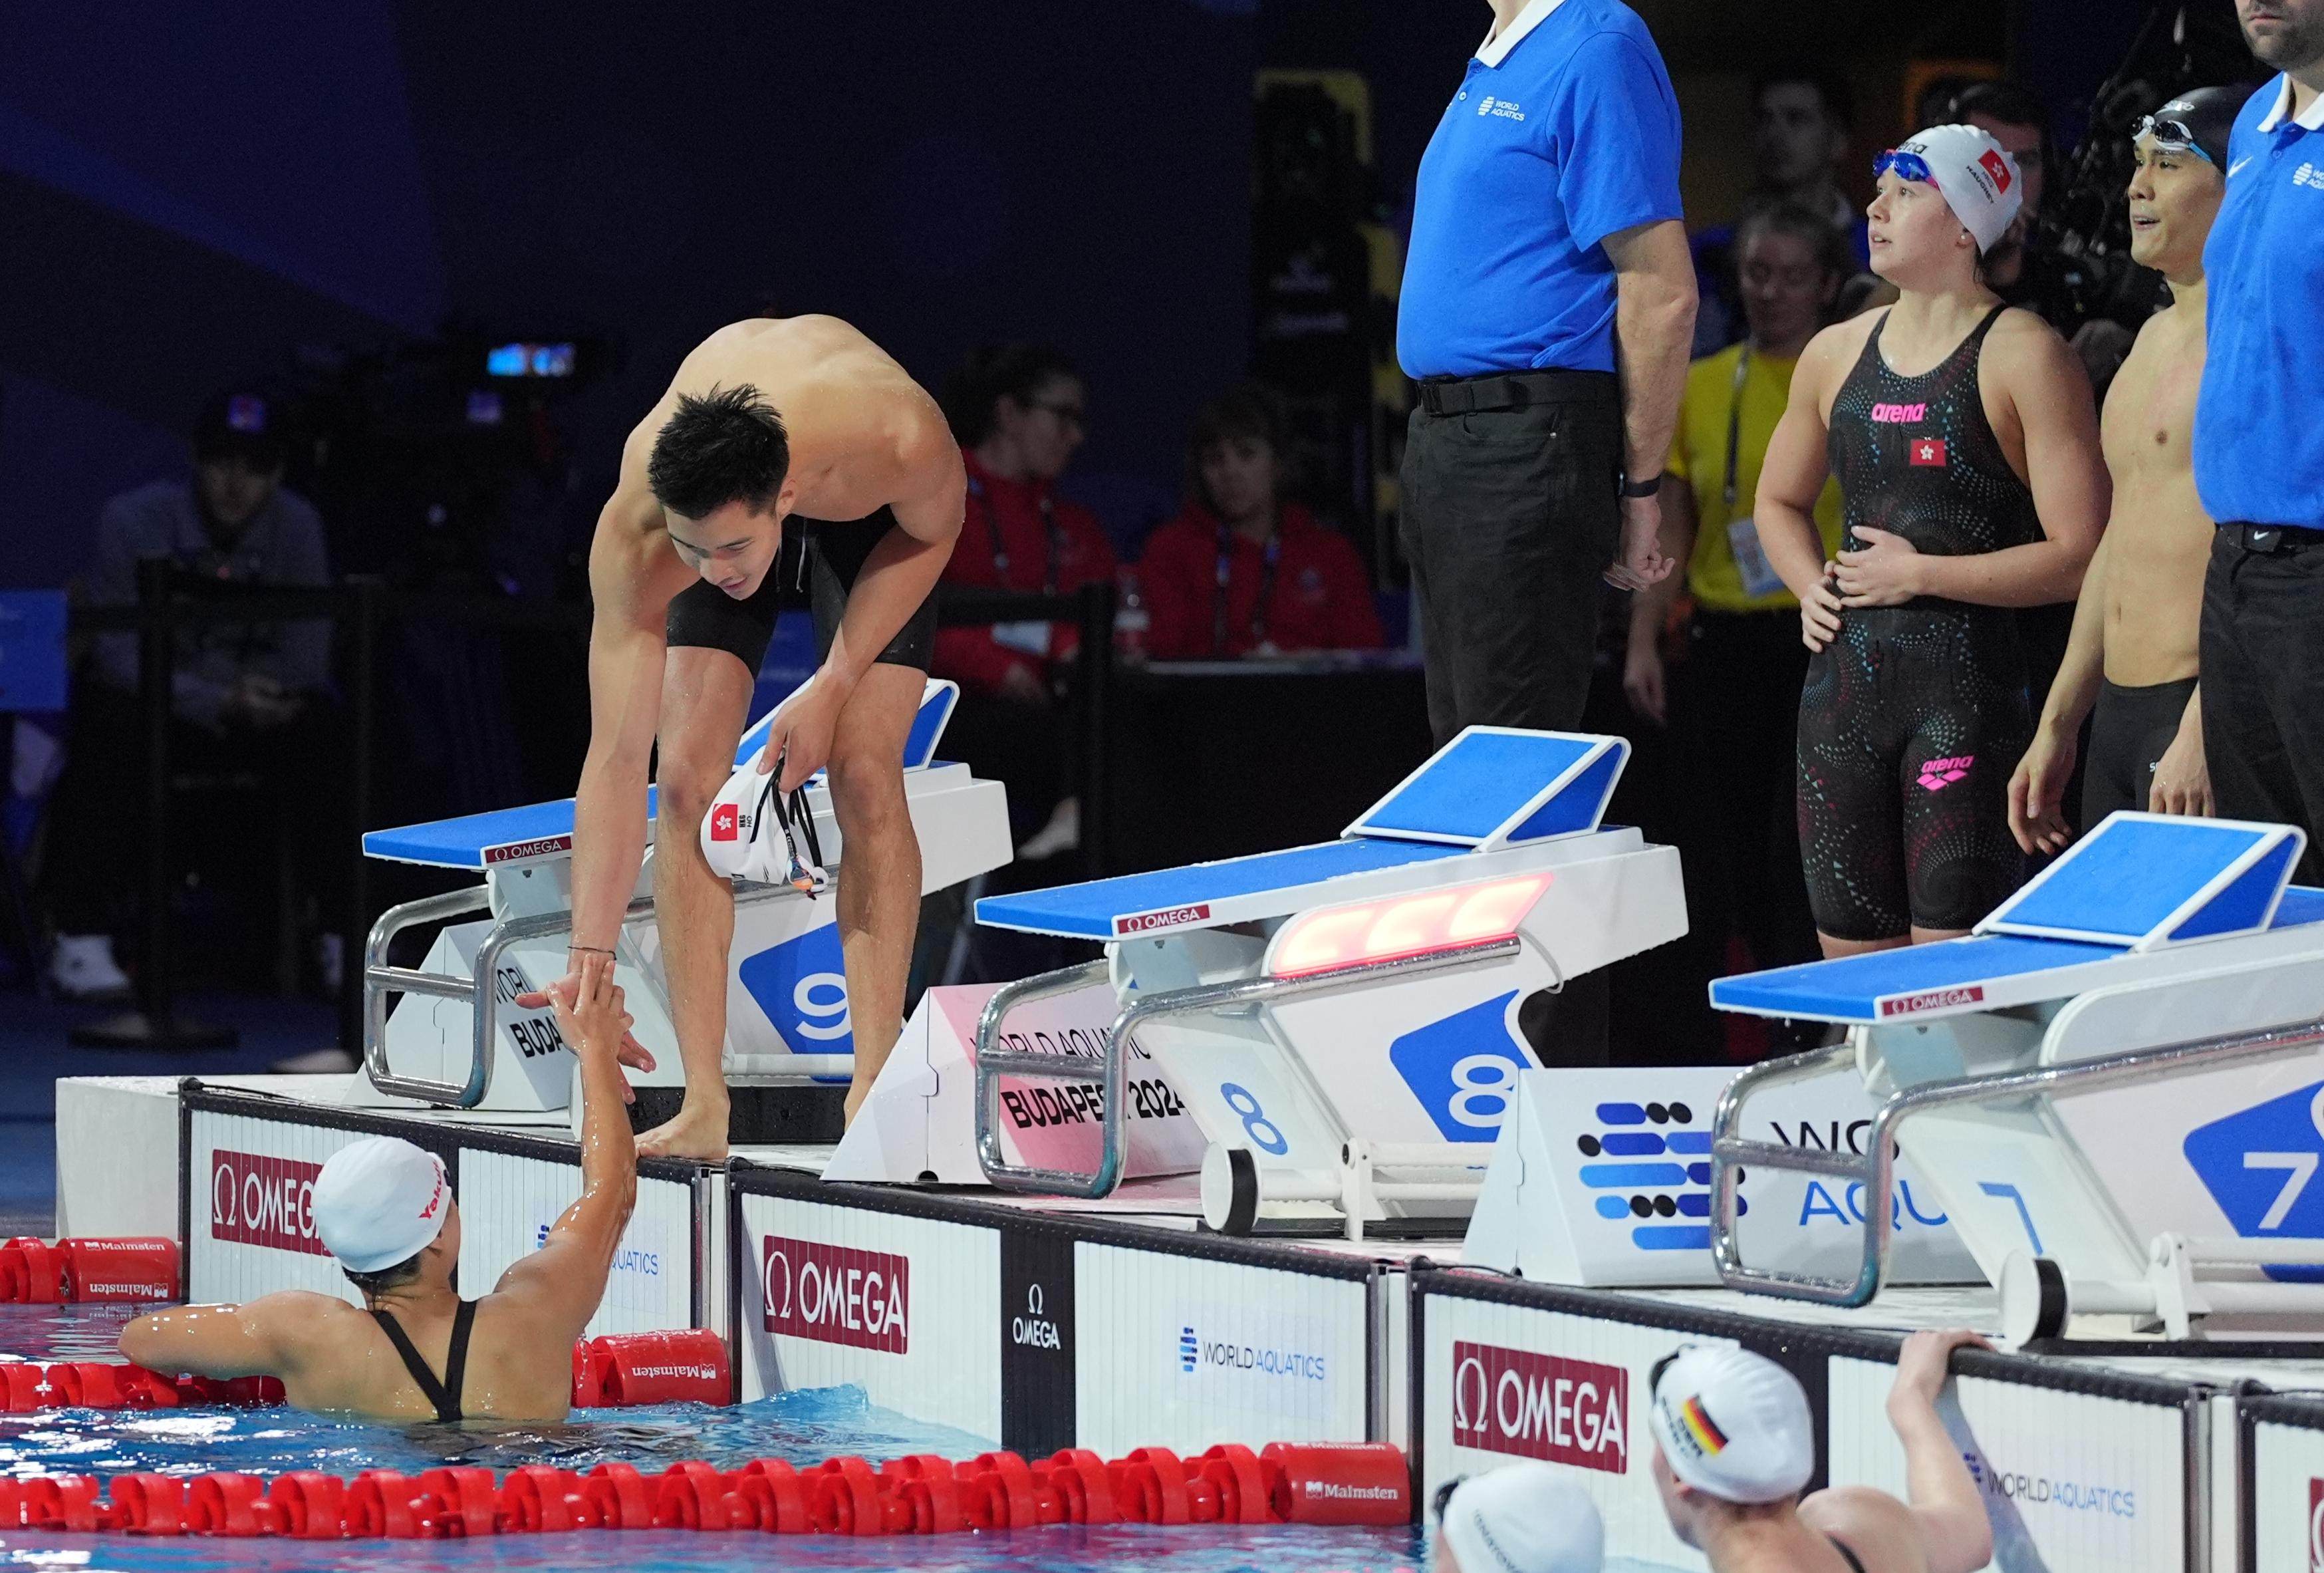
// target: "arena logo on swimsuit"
[[1540, 1406], [836, 1294]]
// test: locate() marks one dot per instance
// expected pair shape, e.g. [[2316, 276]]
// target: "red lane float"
[[1299, 1482], [34, 1271]]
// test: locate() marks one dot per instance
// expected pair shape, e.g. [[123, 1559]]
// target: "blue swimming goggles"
[[1909, 166], [2171, 135]]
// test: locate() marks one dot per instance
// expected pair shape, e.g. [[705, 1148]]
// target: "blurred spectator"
[[1521, 1518], [1018, 411], [1802, 115], [247, 699], [1731, 696], [1241, 572]]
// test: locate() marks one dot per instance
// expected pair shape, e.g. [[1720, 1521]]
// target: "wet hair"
[[1831, 90], [386, 1278], [1248, 411], [727, 446], [1825, 240], [994, 372]]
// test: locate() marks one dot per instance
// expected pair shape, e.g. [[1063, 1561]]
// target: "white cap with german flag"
[[1733, 1424]]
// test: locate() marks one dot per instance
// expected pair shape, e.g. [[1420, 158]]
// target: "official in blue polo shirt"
[[2259, 442], [1546, 250]]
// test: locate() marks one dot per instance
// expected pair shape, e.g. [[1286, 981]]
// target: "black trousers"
[[1734, 709], [2262, 646], [1509, 518]]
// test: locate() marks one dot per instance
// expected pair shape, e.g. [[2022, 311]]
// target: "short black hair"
[[1249, 412], [726, 446], [992, 372], [2007, 102], [1832, 88], [1825, 239], [386, 1278]]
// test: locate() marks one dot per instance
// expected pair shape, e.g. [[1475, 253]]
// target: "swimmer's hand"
[[801, 734], [589, 965], [2183, 779], [2037, 792], [1923, 1364], [1886, 572], [1642, 561], [592, 1012], [1819, 613]]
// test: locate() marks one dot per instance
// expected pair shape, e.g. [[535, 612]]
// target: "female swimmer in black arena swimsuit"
[[1966, 446]]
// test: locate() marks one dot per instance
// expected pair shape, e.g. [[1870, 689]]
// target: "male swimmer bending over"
[[2133, 654], [682, 570], [416, 1351]]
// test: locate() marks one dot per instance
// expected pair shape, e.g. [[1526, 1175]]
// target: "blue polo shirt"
[[1565, 130], [2259, 429]]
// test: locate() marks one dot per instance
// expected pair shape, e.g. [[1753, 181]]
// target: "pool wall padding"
[[1041, 1331]]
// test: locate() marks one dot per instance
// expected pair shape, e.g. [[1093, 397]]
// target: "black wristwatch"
[[1639, 491]]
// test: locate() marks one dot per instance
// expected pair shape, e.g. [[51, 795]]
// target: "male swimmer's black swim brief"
[[704, 617]]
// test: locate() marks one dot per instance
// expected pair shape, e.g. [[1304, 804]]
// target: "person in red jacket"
[[1241, 572], [1018, 411]]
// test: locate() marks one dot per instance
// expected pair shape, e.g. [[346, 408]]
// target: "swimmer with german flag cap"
[[1735, 1446], [416, 1351]]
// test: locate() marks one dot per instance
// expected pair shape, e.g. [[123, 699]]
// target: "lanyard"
[[1735, 421], [805, 874], [1260, 607], [1001, 548]]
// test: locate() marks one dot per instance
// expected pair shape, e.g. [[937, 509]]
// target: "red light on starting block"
[[1402, 927]]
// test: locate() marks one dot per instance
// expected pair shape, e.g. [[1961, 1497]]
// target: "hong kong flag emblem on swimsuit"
[[726, 822], [1928, 451]]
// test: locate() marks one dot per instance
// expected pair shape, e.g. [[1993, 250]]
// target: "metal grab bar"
[[1112, 1071], [1875, 1169], [380, 980]]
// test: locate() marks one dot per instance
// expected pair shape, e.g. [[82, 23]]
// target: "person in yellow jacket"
[[1728, 694]]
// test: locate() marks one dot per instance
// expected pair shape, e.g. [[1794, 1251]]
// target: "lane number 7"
[[2298, 1168]]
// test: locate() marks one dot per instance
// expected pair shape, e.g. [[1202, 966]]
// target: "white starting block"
[[2116, 1085], [1344, 1022], [787, 1019]]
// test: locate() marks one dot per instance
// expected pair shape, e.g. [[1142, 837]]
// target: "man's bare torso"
[[2159, 537], [342, 1363], [855, 418]]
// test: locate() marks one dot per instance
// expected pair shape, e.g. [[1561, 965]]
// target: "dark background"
[[189, 198]]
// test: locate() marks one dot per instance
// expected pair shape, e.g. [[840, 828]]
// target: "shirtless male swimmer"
[[2134, 653], [415, 1350], [800, 419]]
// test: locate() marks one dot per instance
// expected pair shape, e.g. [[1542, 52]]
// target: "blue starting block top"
[[2147, 880], [1496, 786], [1269, 884], [545, 829], [1983, 972], [1488, 788]]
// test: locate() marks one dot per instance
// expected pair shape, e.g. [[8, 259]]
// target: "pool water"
[[805, 1427]]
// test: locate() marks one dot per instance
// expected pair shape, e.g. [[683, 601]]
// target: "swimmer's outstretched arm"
[[1943, 1527], [898, 576], [267, 1337], [562, 1282]]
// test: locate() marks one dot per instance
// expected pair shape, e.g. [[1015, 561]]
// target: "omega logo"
[[1032, 1327]]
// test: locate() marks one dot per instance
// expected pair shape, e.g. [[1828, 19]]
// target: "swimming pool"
[[803, 1428]]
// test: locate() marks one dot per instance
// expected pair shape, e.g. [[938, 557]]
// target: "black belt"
[[2271, 538], [1511, 391]]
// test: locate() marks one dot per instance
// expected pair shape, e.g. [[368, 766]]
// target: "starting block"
[[2116, 1085], [1345, 1022], [464, 1044]]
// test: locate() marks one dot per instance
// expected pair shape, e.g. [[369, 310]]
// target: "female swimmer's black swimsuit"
[[1913, 717], [445, 1394]]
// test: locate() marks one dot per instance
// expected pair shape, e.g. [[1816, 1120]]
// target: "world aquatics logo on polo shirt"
[[1501, 109]]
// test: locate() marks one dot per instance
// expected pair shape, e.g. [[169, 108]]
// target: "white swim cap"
[[1973, 172], [1524, 1518], [380, 1201], [742, 836], [1733, 1424]]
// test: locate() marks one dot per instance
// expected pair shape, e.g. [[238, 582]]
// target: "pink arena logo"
[[1940, 773], [1898, 414]]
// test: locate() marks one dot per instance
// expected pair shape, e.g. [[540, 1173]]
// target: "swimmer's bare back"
[[861, 430]]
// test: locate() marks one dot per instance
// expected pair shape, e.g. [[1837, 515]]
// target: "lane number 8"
[[1471, 1082], [1262, 1131]]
